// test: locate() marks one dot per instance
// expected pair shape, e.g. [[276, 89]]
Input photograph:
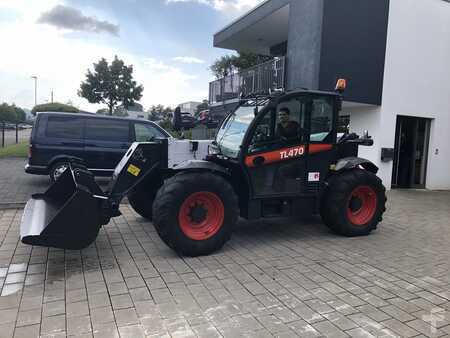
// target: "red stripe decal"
[[287, 153]]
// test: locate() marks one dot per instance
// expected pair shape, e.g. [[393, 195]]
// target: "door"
[[411, 152], [106, 141], [275, 159]]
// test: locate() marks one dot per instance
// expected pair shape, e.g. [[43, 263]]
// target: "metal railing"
[[13, 133], [258, 79]]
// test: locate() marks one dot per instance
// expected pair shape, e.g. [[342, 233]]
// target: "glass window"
[[232, 133], [64, 127], [146, 132], [321, 119], [107, 130], [291, 120]]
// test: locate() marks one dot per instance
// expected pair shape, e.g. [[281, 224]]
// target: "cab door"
[[276, 161]]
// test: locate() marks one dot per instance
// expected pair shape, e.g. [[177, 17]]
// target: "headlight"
[[212, 149]]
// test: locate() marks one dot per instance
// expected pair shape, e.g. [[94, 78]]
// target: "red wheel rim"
[[201, 215], [362, 205]]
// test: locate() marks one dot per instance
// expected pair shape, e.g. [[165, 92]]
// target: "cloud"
[[188, 59], [225, 5], [65, 17]]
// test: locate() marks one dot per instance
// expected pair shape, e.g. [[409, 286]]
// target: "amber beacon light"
[[341, 84]]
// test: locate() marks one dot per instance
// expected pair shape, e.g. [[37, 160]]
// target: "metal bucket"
[[68, 215]]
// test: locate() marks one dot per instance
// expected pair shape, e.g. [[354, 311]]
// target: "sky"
[[168, 42]]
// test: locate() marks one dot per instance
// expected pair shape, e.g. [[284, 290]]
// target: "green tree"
[[11, 113], [54, 107], [7, 113], [202, 106], [223, 66], [228, 64], [111, 84], [20, 114]]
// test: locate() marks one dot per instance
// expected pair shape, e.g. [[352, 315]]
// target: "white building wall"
[[416, 83]]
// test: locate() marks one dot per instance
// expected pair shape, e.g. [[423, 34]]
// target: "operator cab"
[[283, 143]]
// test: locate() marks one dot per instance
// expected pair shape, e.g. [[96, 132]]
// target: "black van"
[[100, 141]]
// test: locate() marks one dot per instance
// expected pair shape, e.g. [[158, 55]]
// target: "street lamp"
[[35, 89]]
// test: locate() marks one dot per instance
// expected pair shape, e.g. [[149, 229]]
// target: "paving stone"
[[31, 331], [29, 317], [276, 281]]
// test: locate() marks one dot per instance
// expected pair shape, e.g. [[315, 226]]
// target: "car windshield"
[[230, 136]]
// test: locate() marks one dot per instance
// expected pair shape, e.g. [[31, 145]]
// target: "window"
[[107, 130], [64, 127], [343, 125], [146, 132], [321, 119], [291, 120]]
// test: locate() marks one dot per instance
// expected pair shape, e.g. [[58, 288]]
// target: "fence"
[[258, 79], [13, 133]]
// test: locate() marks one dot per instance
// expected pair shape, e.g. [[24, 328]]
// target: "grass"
[[15, 150]]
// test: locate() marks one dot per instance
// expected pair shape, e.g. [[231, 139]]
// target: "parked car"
[[100, 141], [187, 121], [205, 118]]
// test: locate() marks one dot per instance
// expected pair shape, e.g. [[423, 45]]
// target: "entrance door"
[[411, 152]]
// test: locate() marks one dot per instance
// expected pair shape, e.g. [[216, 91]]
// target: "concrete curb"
[[12, 205], [21, 205]]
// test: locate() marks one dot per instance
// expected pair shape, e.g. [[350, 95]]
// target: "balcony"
[[258, 79]]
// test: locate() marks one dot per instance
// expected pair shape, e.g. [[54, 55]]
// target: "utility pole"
[[52, 97], [35, 89]]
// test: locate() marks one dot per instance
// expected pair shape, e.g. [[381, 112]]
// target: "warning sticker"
[[133, 170], [313, 177]]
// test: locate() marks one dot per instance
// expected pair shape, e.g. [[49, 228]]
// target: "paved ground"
[[274, 278], [16, 186]]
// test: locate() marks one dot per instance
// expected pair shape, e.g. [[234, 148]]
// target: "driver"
[[287, 129]]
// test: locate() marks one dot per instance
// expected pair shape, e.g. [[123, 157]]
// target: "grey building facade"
[[322, 40]]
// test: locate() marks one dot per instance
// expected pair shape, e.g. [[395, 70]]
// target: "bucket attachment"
[[68, 215]]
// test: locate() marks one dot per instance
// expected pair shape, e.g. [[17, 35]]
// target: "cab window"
[[146, 132], [280, 127], [321, 119]]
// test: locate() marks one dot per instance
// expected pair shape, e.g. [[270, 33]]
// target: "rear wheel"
[[142, 201], [194, 213], [354, 203], [58, 169]]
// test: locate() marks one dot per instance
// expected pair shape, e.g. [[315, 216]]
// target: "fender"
[[65, 158], [347, 163], [197, 165]]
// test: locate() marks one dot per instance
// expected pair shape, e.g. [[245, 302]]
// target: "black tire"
[[169, 203], [142, 201], [55, 170], [342, 209]]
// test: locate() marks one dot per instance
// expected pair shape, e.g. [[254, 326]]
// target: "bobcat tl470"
[[195, 191]]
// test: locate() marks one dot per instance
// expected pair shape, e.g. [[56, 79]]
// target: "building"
[[189, 107], [395, 55]]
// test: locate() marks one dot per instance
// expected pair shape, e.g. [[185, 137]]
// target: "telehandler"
[[275, 155]]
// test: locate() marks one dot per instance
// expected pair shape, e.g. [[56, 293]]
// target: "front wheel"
[[57, 170], [194, 213], [354, 203]]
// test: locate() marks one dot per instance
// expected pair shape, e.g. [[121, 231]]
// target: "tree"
[[111, 84], [228, 64], [202, 106], [11, 113], [54, 107], [223, 66]]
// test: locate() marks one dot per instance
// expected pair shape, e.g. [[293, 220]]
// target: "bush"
[[54, 107]]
